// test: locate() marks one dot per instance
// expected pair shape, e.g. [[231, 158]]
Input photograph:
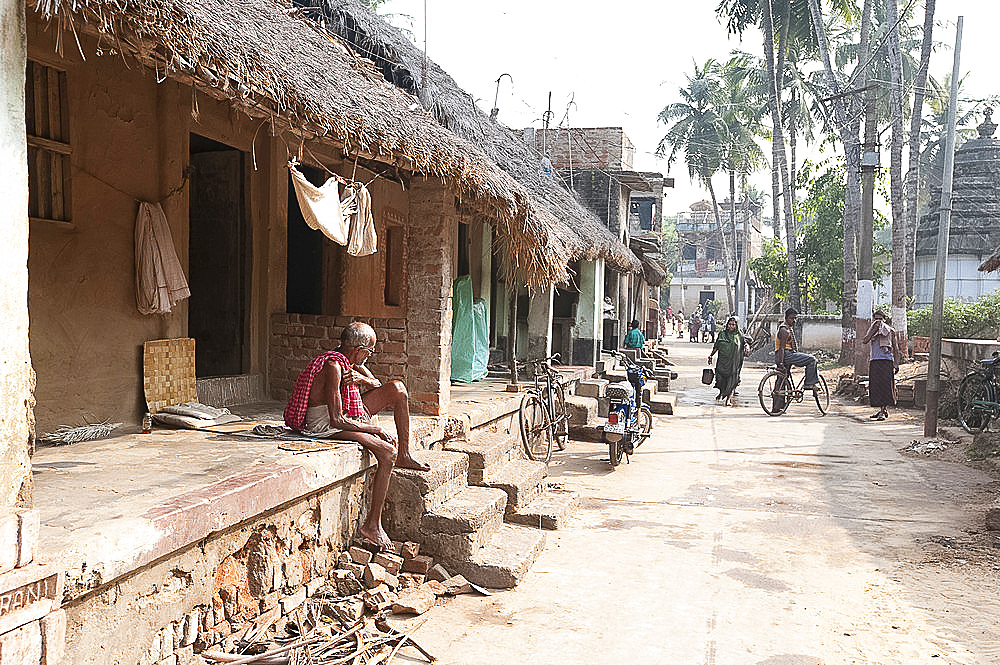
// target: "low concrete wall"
[[815, 332]]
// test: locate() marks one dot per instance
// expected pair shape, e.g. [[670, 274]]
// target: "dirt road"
[[735, 538]]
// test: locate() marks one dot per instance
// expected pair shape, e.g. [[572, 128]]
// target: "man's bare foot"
[[375, 537], [411, 463]]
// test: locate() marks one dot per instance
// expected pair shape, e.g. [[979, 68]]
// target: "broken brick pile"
[[401, 582]]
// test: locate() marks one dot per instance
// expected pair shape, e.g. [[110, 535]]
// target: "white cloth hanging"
[[357, 209], [348, 222], [320, 206], [159, 278]]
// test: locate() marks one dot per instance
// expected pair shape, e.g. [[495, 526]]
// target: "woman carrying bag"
[[883, 364], [732, 347]]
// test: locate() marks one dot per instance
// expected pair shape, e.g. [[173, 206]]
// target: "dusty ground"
[[736, 538]]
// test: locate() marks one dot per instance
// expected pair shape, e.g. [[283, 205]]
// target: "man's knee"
[[384, 452], [399, 389]]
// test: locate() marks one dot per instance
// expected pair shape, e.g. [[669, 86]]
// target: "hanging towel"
[[357, 210], [159, 279], [320, 206]]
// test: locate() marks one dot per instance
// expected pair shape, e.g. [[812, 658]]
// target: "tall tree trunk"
[[725, 245], [737, 261], [792, 144], [896, 182], [847, 118], [778, 152], [913, 173]]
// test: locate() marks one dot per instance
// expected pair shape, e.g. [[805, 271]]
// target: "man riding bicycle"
[[786, 351]]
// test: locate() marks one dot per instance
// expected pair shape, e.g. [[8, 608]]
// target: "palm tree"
[[698, 130], [913, 172], [743, 101]]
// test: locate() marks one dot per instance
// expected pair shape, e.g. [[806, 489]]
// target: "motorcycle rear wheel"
[[615, 453]]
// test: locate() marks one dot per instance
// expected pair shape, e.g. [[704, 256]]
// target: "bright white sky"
[[622, 67]]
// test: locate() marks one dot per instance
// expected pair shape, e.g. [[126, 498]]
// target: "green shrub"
[[963, 320]]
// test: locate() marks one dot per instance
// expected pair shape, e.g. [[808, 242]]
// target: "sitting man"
[[335, 397], [786, 353], [634, 339]]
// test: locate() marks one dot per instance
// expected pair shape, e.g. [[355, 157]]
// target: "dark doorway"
[[218, 258], [304, 294]]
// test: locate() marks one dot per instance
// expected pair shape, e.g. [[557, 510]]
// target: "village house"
[[196, 109], [567, 315], [596, 162]]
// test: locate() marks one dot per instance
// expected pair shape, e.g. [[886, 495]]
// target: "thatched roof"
[[268, 63], [583, 234], [992, 263]]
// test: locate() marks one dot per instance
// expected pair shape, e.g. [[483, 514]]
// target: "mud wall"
[[15, 365], [129, 137]]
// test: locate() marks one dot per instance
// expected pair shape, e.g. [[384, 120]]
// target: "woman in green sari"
[[732, 346]]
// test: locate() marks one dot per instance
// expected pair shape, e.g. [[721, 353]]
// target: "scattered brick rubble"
[[342, 616]]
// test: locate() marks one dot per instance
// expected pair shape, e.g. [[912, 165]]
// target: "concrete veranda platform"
[[110, 506]]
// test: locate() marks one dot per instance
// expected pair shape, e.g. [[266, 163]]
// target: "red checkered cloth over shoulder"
[[298, 403]]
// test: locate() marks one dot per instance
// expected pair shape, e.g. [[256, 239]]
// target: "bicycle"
[[978, 396], [777, 390], [542, 416]]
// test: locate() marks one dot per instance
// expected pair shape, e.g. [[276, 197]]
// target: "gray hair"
[[357, 334]]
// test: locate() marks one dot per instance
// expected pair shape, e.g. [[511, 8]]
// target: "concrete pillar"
[[431, 243], [589, 313], [540, 323], [16, 376]]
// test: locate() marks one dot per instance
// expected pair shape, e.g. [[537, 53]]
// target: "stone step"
[[504, 561], [648, 390], [485, 449], [591, 388], [663, 403], [581, 409], [412, 493], [464, 524], [520, 480], [549, 510]]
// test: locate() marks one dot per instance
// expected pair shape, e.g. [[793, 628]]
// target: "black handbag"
[[707, 376]]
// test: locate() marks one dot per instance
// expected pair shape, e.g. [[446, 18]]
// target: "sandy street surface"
[[734, 538]]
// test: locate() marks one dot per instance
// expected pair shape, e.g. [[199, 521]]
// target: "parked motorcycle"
[[629, 420]]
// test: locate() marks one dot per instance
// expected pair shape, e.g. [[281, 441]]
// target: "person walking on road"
[[786, 350], [709, 323], [883, 364], [732, 348], [694, 327]]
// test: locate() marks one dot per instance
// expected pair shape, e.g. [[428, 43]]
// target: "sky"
[[613, 68]]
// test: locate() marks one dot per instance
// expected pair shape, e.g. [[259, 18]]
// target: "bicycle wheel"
[[974, 387], [645, 421], [774, 393], [560, 416], [822, 396], [536, 430]]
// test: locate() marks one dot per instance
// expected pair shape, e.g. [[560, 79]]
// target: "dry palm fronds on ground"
[[66, 434], [323, 639]]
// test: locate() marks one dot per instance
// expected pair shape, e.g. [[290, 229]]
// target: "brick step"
[[663, 403], [464, 524], [412, 493], [485, 449], [549, 510], [503, 562], [519, 479]]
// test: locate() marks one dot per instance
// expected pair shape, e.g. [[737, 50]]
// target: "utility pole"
[[866, 274], [944, 230]]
